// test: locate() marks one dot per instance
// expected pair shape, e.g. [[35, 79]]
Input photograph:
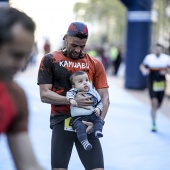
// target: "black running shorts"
[[157, 78], [61, 149], [158, 95]]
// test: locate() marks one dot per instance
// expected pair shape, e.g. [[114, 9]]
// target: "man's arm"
[[22, 151], [105, 100], [48, 96], [144, 70]]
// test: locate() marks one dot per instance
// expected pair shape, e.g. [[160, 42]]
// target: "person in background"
[[34, 55], [47, 46], [53, 80], [92, 52], [118, 59], [155, 67], [113, 56], [80, 83], [104, 58], [16, 41]]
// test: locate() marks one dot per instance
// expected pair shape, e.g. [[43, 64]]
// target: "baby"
[[80, 83]]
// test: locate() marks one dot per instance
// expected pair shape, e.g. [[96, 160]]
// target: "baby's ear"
[[73, 86]]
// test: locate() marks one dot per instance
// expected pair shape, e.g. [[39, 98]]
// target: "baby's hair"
[[76, 74]]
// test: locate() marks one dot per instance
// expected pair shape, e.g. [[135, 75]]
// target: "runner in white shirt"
[[155, 66]]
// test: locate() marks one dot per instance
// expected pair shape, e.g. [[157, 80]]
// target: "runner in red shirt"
[[53, 79], [16, 41]]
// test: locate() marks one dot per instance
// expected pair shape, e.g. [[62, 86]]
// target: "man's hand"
[[145, 71], [83, 101], [89, 127]]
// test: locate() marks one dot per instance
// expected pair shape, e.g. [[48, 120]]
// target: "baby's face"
[[81, 82]]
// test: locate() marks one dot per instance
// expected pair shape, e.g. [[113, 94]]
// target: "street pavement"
[[128, 143]]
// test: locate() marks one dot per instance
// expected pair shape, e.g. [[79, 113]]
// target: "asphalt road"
[[128, 143]]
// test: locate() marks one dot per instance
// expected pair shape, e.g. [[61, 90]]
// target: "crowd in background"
[[112, 56]]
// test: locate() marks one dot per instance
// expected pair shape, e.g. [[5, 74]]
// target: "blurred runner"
[[47, 46], [155, 66], [16, 41]]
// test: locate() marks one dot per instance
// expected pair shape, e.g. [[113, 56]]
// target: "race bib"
[[67, 124], [158, 86]]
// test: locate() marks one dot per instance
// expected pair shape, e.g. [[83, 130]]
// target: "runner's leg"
[[93, 159], [61, 146]]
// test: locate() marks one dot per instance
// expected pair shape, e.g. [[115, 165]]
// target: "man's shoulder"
[[150, 55], [14, 86], [165, 55], [16, 90], [16, 93], [92, 59], [58, 52], [57, 55], [19, 101]]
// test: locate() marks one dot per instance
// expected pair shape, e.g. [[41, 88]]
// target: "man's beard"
[[74, 55]]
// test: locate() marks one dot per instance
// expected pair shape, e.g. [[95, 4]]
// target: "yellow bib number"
[[67, 124], [158, 85]]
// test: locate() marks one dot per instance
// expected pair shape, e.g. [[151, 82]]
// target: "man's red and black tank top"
[[7, 109]]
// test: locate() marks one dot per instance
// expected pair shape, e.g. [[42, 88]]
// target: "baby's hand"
[[97, 111], [73, 102]]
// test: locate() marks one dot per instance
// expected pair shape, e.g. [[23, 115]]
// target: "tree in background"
[[161, 27], [108, 17]]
